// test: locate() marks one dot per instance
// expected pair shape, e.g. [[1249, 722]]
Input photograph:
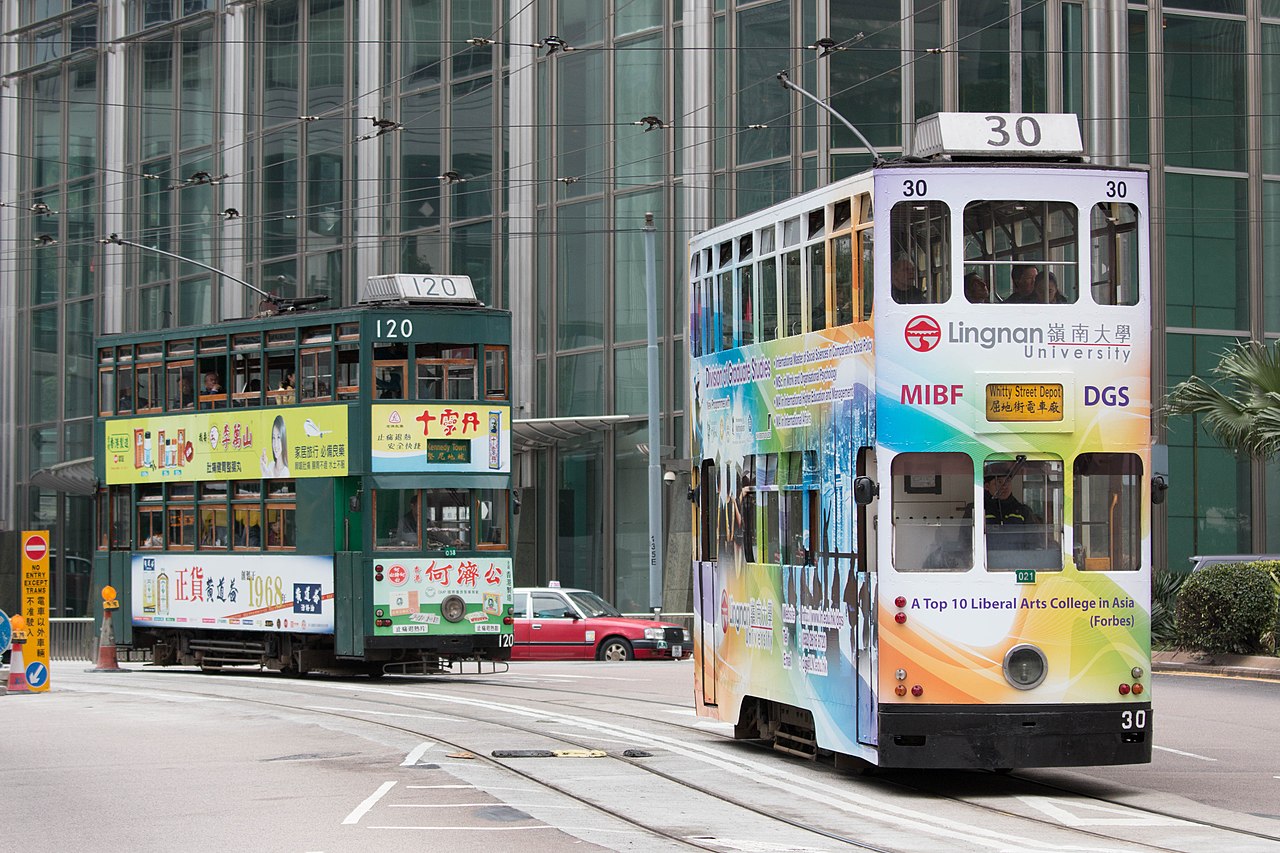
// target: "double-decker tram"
[[313, 489], [921, 418]]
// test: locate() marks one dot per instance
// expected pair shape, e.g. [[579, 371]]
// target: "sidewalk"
[[1240, 666]]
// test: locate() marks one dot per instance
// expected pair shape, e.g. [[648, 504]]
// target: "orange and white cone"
[[17, 670], [107, 660]]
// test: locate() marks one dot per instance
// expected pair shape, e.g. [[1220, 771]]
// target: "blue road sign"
[[37, 673], [6, 631]]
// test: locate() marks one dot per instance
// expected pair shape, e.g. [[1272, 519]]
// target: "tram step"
[[795, 743]]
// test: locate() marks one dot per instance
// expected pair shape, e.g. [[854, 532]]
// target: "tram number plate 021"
[[1134, 720], [1024, 401]]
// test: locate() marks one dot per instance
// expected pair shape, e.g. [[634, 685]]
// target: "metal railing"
[[73, 638]]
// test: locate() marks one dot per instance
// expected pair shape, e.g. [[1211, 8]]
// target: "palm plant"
[[1240, 404]]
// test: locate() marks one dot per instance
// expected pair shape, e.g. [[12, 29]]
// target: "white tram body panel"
[[930, 625]]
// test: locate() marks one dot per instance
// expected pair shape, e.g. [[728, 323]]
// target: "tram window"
[[495, 373], [396, 518], [817, 286], [842, 260], [282, 379], [1009, 243], [765, 241], [125, 404], [746, 301], [246, 526], [317, 374], [745, 508], [1113, 247], [841, 215], [182, 526], [491, 518], [798, 533], [793, 319], [932, 512], [211, 376], [446, 372], [282, 532], [150, 513], [248, 380], [149, 383], [744, 247], [920, 236], [180, 386], [695, 319], [770, 505], [213, 526], [866, 270], [708, 511], [726, 312], [348, 373], [769, 299], [1107, 515], [1022, 509], [121, 533], [388, 379], [446, 518], [107, 391]]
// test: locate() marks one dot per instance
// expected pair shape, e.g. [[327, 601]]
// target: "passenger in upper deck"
[[1047, 289], [902, 277], [212, 384], [976, 289], [1023, 279]]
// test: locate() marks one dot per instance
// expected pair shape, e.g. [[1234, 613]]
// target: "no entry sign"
[[35, 547]]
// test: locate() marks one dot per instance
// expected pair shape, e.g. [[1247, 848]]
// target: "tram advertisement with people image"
[[228, 444]]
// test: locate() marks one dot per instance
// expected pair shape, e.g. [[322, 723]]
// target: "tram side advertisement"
[[241, 592]]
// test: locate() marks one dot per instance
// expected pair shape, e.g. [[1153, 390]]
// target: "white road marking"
[[1069, 813], [477, 805], [469, 787], [416, 753], [680, 712], [566, 829], [383, 713], [794, 786], [370, 801], [1187, 754]]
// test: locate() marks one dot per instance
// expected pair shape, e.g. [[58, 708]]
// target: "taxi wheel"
[[614, 649]]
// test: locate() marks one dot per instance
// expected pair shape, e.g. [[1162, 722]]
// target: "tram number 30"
[[1025, 128], [1133, 720]]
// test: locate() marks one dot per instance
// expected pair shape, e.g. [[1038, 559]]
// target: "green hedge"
[[1228, 608]]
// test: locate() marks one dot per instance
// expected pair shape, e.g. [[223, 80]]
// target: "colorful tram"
[[313, 489], [921, 416]]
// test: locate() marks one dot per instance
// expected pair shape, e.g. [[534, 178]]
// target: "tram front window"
[[1022, 508], [1107, 512], [920, 242], [1024, 251], [932, 512]]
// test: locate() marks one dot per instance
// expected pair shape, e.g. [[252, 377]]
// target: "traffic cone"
[[17, 670], [107, 661]]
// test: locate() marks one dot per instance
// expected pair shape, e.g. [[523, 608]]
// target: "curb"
[[1229, 666]]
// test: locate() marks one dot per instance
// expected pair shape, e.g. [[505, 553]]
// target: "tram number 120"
[[1131, 720]]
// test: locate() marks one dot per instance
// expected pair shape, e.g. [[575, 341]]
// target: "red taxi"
[[575, 624]]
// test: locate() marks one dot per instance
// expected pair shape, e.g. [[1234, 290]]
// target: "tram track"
[[489, 691]]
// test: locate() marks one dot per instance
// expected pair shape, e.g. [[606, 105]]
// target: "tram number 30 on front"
[[1135, 720]]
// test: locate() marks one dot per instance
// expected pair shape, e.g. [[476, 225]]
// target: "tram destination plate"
[[1024, 401], [449, 450]]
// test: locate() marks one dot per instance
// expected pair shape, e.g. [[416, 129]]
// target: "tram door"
[[865, 639], [707, 605]]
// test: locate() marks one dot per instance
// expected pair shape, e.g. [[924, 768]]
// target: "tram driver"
[[1001, 505]]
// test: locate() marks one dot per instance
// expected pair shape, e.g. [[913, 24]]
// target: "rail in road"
[[695, 788]]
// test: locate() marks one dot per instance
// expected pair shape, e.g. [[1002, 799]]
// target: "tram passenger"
[[212, 384], [1047, 289], [407, 534], [902, 277], [126, 401], [1023, 279], [186, 394], [289, 394], [976, 289]]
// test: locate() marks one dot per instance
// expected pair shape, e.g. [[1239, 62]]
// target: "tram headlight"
[[1025, 666], [1136, 672], [453, 608]]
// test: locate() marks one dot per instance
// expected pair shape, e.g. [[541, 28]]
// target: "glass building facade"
[[306, 144]]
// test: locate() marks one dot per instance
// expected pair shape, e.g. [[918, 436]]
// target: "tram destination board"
[[449, 450], [1024, 401]]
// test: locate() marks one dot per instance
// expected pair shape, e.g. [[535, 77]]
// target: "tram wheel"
[[614, 649]]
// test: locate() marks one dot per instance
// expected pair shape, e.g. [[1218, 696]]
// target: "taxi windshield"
[[593, 605]]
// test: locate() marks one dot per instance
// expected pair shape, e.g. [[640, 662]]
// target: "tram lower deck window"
[[1022, 508], [1107, 512], [932, 512]]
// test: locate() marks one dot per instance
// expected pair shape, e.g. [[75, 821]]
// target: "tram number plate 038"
[[1133, 720], [1024, 401]]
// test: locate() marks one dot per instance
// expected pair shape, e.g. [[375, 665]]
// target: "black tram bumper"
[[484, 646], [1012, 736]]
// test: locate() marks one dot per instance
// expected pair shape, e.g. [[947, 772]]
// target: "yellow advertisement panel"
[[418, 437], [35, 608], [229, 444]]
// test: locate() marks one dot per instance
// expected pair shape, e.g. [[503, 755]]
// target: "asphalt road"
[[178, 760]]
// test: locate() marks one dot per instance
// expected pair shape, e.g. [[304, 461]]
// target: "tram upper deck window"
[[920, 239], [446, 371], [1022, 507], [495, 373], [1107, 512], [1113, 247], [932, 512], [390, 367], [1024, 251]]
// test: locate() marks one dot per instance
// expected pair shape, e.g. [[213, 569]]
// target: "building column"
[[367, 230], [115, 203], [234, 243], [696, 125], [10, 121]]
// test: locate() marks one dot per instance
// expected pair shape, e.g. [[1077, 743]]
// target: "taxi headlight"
[[1025, 666], [453, 608], [688, 638], [653, 633]]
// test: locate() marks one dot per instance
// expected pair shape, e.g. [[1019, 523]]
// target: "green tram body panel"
[[366, 603]]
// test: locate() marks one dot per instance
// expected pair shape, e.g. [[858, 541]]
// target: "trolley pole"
[[655, 430]]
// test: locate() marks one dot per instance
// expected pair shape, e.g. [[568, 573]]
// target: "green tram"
[[313, 489]]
